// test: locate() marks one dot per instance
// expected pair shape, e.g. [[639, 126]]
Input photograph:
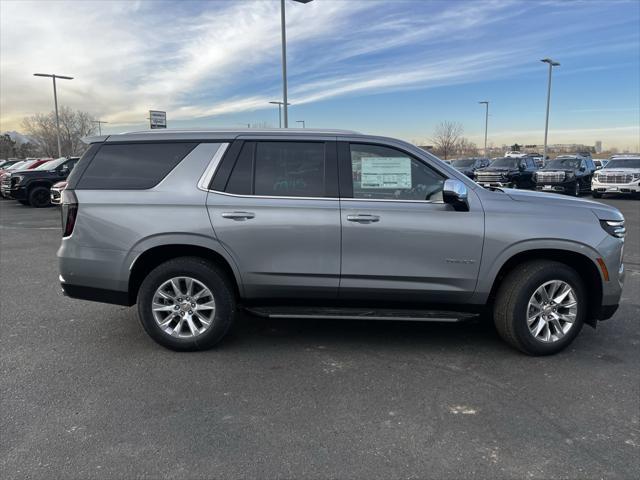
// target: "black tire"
[[596, 195], [576, 189], [39, 197], [203, 271], [510, 307]]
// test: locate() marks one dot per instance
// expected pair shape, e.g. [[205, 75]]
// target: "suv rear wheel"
[[186, 303], [540, 307]]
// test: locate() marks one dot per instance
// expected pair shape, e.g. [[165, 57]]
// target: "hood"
[[37, 173], [600, 210], [557, 170], [619, 170], [497, 169]]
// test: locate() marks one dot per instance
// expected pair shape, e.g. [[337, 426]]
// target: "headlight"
[[614, 227], [569, 175], [596, 177], [18, 179], [636, 176]]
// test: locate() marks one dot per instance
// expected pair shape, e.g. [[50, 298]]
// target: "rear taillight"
[[69, 212]]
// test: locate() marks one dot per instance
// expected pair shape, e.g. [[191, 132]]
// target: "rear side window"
[[133, 166], [289, 169]]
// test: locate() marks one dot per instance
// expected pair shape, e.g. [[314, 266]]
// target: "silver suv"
[[195, 225]]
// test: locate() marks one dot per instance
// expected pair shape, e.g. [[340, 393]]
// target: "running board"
[[361, 314]]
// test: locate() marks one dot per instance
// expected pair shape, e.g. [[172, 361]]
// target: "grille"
[[553, 177], [615, 177], [490, 177]]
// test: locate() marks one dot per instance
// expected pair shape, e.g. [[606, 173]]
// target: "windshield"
[[18, 165], [564, 163], [463, 162], [623, 163], [506, 162], [51, 164]]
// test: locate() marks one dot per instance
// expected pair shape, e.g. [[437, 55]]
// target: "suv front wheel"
[[186, 303], [540, 307]]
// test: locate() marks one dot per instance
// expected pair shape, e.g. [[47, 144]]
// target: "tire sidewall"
[[212, 279], [521, 330], [32, 197]]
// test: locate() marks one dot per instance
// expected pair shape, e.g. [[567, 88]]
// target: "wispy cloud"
[[207, 59]]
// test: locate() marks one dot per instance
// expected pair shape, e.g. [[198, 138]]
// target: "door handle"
[[239, 216], [361, 218]]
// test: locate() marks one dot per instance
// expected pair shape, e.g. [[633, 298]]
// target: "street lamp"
[[55, 101], [279, 111], [284, 59], [552, 63], [486, 124], [302, 122], [99, 122]]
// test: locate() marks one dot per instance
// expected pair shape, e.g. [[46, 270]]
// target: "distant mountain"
[[19, 138]]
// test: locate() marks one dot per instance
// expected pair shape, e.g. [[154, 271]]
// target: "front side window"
[[383, 173], [289, 169]]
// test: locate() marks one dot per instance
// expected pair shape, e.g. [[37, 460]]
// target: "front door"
[[278, 216], [400, 242]]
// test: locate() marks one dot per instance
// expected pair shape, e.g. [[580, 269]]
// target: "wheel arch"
[[581, 263], [149, 258]]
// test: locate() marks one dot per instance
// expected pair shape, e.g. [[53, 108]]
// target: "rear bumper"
[[96, 294]]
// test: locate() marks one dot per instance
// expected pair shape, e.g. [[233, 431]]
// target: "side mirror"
[[522, 167], [582, 169], [455, 193]]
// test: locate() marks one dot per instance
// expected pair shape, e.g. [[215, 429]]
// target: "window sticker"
[[386, 172]]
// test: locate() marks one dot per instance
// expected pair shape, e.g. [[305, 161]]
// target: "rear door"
[[400, 242], [274, 206]]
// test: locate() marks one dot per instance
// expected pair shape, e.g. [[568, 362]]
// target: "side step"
[[361, 314]]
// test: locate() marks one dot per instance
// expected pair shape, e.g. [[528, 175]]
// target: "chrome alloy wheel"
[[183, 307], [552, 311]]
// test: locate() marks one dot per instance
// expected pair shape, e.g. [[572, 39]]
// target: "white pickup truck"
[[620, 176]]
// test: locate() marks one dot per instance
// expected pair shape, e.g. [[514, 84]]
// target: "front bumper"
[[18, 193], [562, 187], [633, 187], [502, 183]]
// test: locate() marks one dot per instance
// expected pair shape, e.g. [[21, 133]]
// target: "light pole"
[[552, 63], [486, 124], [279, 111], [99, 122], [302, 122], [55, 102], [284, 59]]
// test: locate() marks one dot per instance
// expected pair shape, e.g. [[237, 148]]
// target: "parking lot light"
[[552, 63], [486, 124], [55, 102]]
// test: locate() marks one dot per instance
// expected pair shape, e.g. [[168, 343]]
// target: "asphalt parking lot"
[[86, 394]]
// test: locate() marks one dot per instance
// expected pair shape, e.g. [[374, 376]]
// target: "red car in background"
[[27, 164]]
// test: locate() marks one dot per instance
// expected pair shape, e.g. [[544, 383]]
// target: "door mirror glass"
[[455, 193]]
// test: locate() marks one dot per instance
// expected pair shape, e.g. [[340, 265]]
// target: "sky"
[[395, 68]]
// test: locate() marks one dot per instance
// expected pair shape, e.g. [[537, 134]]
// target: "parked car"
[[600, 163], [33, 187], [56, 192], [514, 154], [510, 172], [193, 225], [621, 175], [468, 166], [566, 174], [6, 173], [537, 158]]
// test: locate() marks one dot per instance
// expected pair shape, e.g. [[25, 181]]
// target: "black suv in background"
[[569, 174], [510, 172], [468, 166], [32, 187]]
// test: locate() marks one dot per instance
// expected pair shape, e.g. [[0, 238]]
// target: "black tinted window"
[[132, 166], [241, 179], [289, 169]]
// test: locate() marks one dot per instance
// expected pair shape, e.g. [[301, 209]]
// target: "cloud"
[[208, 59]]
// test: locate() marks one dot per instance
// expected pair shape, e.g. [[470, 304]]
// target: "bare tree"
[[73, 126], [446, 138], [466, 148]]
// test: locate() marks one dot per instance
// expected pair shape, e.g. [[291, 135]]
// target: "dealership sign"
[[157, 119]]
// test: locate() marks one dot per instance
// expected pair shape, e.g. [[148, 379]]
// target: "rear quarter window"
[[132, 166]]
